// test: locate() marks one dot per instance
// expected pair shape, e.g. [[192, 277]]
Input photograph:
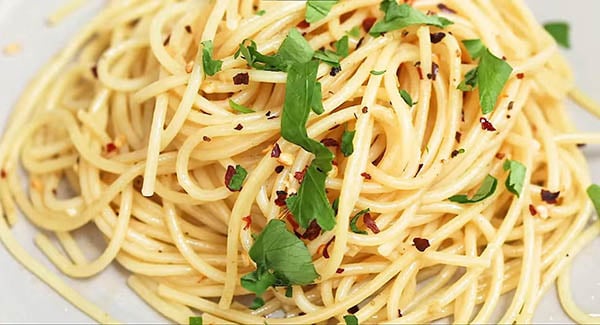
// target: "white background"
[[23, 298]]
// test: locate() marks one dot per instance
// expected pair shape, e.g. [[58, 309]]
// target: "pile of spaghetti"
[[306, 162]]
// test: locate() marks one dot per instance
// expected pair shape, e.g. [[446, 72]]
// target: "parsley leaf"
[[486, 190], [377, 73], [318, 9], [333, 58], [257, 303], [516, 177], [560, 32], [195, 320], [470, 82], [354, 220], [295, 48], [240, 108], [302, 95], [350, 320], [237, 178], [407, 98], [342, 47], [401, 16], [594, 193], [475, 48], [354, 32], [261, 12], [281, 260], [347, 143], [211, 66]]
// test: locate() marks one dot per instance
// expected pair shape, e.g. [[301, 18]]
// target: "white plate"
[[23, 298]]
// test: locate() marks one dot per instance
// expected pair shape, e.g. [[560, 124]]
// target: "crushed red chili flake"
[[399, 313], [486, 125], [365, 110], [276, 152], [238, 127], [111, 147], [581, 145], [241, 79], [370, 223], [457, 136], [353, 310], [3, 173], [445, 8], [511, 105], [550, 197], [290, 218], [437, 37], [299, 176], [206, 139], [326, 248], [303, 24], [368, 23], [419, 169], [360, 41], [455, 153], [419, 70], [281, 197], [421, 243], [248, 220], [532, 210], [520, 75], [279, 169], [339, 270], [167, 40], [435, 69], [188, 29], [366, 175], [334, 71], [313, 231], [500, 155], [229, 175], [330, 142], [95, 71]]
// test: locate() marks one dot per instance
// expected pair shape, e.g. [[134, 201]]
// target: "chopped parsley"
[[516, 176], [240, 108], [594, 193], [333, 58], [234, 177], [350, 320], [354, 220], [407, 98], [318, 9], [354, 32], [257, 303], [261, 12], [195, 320], [377, 73], [486, 190], [560, 32], [400, 16], [281, 260], [294, 49], [347, 146], [210, 65]]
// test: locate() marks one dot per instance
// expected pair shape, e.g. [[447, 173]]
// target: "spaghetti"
[[127, 129]]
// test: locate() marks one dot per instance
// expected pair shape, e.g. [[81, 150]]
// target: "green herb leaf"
[[594, 193], [347, 146], [195, 320], [407, 98], [401, 16], [281, 260], [257, 303], [261, 12], [336, 205], [237, 179], [516, 176], [211, 66], [560, 32], [318, 9], [289, 292], [341, 47], [354, 220], [492, 75], [328, 57], [240, 108], [475, 48], [311, 201], [350, 320], [470, 81], [486, 190], [354, 32], [377, 73], [295, 48]]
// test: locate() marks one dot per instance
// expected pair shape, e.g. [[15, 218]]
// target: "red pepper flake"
[[445, 8], [303, 24], [365, 110], [330, 142], [500, 155], [300, 175], [455, 153], [229, 175], [281, 197], [399, 313], [95, 71], [511, 105], [366, 176], [520, 75], [111, 147], [339, 271], [248, 220], [486, 125], [360, 41], [3, 174], [550, 197], [241, 78], [290, 218], [167, 40], [368, 23], [206, 139], [421, 243], [334, 71], [581, 145], [370, 223], [435, 69], [419, 70], [457, 136], [353, 310], [532, 210], [313, 231], [437, 37], [419, 169], [238, 127], [188, 29], [279, 169], [276, 152], [326, 248]]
